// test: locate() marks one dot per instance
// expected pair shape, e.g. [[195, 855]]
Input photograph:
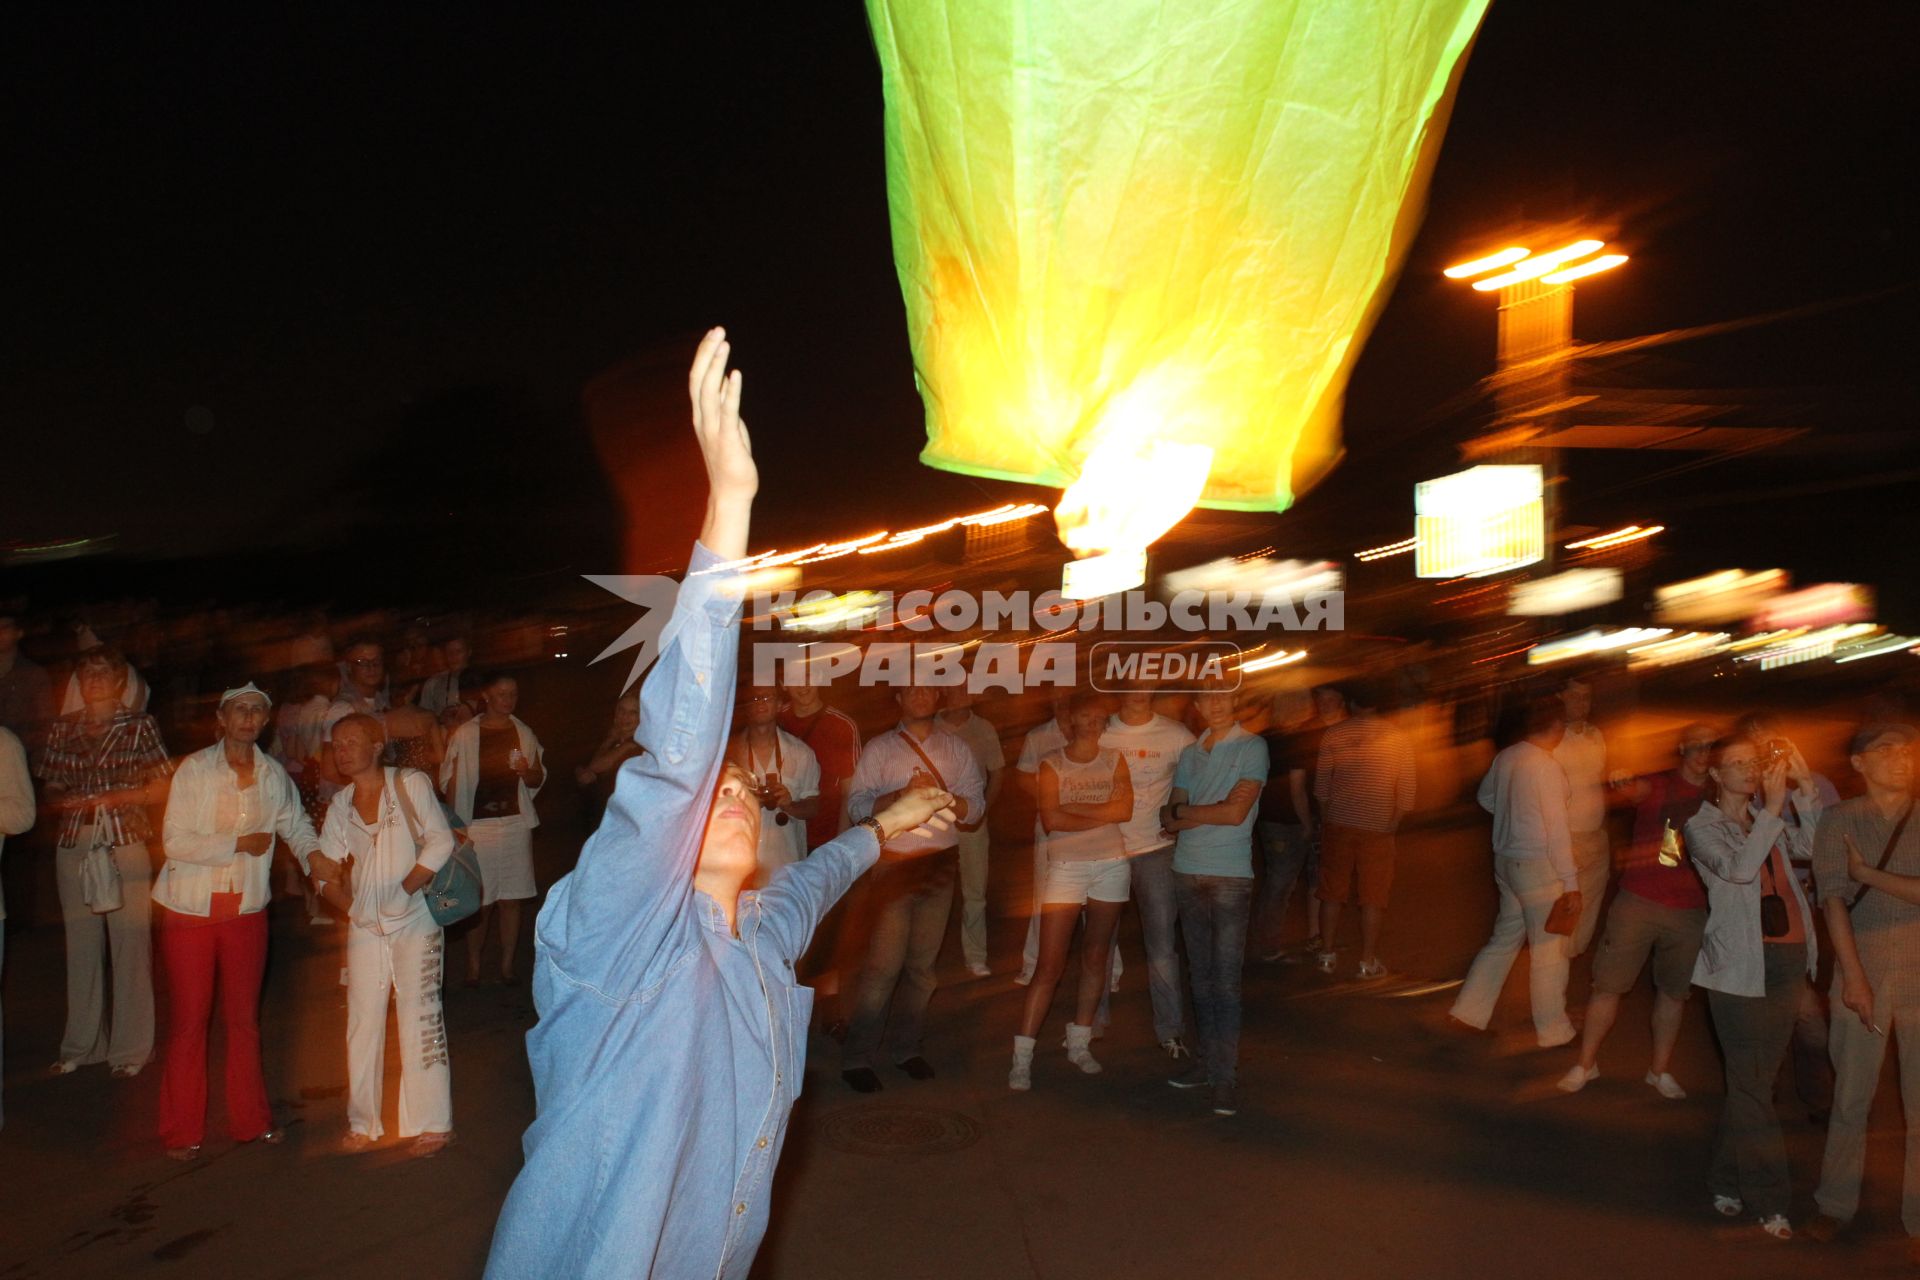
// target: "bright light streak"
[[854, 608], [1480, 266], [1390, 549], [1107, 575], [1564, 593], [1879, 648], [1535, 267], [1688, 646], [1807, 646], [1259, 578], [1716, 598], [1591, 642], [1271, 661], [1605, 262], [1632, 534]]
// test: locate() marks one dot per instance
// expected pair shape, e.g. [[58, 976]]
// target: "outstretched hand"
[[732, 477], [920, 811]]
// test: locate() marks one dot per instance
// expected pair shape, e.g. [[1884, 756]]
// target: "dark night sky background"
[[378, 254]]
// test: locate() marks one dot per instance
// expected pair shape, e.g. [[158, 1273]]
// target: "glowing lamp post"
[[1536, 321]]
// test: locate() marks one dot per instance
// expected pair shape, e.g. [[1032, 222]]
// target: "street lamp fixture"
[[1556, 266]]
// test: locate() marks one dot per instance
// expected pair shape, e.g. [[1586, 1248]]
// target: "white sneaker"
[[1077, 1052], [1729, 1206], [1020, 1075], [1668, 1087], [1777, 1226], [1324, 961], [979, 971], [1578, 1078], [1026, 976]]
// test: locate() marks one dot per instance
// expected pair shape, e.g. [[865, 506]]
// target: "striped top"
[[1365, 778], [128, 754]]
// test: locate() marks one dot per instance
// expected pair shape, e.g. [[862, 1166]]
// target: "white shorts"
[[1098, 879]]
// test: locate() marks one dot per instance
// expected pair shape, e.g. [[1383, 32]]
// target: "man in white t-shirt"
[[786, 779], [983, 739], [1582, 754], [1042, 741], [1152, 745]]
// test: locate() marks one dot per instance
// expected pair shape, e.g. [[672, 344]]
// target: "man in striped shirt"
[[1364, 783]]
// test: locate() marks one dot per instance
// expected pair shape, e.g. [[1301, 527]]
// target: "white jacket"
[[1733, 952], [197, 848], [460, 771], [382, 858]]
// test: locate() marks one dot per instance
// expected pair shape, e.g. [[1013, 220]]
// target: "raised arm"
[[619, 909]]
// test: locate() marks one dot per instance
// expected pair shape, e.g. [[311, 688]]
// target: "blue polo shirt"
[[1207, 776]]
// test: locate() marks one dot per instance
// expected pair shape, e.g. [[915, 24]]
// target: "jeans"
[[911, 901], [1153, 894], [1750, 1156], [973, 895], [1528, 890], [1858, 1055], [1213, 916], [1288, 853]]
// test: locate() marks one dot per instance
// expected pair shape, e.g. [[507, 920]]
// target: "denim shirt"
[[669, 1051]]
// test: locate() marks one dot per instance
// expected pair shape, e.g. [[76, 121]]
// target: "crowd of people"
[[1736, 866], [1741, 859]]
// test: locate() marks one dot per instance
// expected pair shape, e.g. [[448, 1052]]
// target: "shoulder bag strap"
[[405, 801], [1886, 854], [925, 759]]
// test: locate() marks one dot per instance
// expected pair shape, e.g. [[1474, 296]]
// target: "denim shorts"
[[1098, 879], [1637, 928]]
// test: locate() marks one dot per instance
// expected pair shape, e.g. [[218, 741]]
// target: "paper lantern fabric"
[[1120, 220]]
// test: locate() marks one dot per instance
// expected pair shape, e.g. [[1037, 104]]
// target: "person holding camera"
[[1755, 957], [786, 781]]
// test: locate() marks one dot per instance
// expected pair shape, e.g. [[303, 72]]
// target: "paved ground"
[[1367, 1144]]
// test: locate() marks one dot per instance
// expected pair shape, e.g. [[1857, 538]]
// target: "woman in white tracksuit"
[[394, 944]]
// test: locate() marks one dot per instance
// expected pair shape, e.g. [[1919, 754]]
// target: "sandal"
[[272, 1137], [429, 1145], [184, 1154], [354, 1143], [127, 1070]]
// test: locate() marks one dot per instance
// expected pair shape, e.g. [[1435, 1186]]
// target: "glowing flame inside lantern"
[[1130, 492]]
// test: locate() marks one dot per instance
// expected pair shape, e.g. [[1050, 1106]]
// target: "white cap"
[[249, 689]]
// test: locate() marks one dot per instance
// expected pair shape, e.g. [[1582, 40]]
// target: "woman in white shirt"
[[1758, 952], [492, 772], [225, 807], [1086, 793], [369, 842]]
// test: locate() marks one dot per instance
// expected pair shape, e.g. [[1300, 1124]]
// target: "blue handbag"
[[455, 891]]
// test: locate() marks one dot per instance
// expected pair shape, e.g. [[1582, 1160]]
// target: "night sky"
[[278, 278]]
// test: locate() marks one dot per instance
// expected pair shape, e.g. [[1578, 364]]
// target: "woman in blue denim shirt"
[[651, 964]]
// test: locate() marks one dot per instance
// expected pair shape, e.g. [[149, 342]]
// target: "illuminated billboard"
[[1480, 521]]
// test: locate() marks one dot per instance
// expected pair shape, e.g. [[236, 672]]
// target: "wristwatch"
[[873, 825]]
